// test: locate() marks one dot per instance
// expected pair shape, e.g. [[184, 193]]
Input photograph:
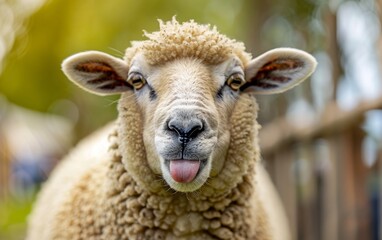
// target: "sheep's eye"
[[136, 80], [235, 81]]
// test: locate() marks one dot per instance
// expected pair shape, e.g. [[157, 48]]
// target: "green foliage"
[[13, 218], [32, 76]]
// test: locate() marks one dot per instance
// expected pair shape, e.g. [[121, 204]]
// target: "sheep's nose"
[[186, 130]]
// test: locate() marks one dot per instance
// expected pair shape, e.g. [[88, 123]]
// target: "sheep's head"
[[186, 79]]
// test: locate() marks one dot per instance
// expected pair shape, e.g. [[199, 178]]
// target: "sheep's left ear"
[[97, 72], [278, 70]]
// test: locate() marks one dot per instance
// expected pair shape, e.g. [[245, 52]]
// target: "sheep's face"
[[186, 107], [185, 104]]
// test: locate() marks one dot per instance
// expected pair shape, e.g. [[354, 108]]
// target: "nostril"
[[186, 130], [171, 125], [195, 131]]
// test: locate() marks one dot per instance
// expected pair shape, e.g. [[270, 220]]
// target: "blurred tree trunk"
[[332, 48], [258, 15], [331, 205]]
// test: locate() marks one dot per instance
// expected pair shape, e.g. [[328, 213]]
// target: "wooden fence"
[[328, 191]]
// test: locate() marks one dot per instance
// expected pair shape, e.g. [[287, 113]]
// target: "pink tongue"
[[184, 171]]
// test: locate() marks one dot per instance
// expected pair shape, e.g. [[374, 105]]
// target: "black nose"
[[186, 130]]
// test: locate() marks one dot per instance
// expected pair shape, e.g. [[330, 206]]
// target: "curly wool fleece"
[[189, 39], [106, 202]]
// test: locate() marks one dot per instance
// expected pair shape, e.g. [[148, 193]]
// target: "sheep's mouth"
[[185, 170]]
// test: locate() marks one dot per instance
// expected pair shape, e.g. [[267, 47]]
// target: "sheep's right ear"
[[97, 72], [278, 70]]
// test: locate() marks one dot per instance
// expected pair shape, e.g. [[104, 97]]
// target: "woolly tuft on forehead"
[[187, 40]]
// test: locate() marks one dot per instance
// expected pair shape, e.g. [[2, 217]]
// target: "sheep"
[[182, 160]]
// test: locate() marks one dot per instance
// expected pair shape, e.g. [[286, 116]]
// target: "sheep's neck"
[[171, 215]]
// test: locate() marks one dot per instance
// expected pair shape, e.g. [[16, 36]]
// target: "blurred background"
[[322, 141]]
